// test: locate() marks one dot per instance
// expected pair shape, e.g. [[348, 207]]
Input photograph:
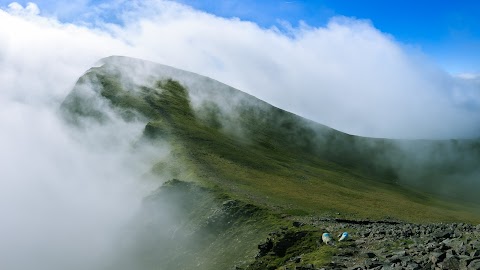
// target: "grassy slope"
[[279, 162], [205, 229]]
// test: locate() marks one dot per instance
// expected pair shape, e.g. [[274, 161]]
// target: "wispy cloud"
[[29, 9]]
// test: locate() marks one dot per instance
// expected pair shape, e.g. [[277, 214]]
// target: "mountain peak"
[[245, 146]]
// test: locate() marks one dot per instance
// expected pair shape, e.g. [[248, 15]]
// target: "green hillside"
[[251, 151]]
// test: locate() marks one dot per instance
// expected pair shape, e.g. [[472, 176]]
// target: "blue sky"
[[446, 31]]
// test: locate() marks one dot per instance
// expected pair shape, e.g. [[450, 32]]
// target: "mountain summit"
[[240, 171], [224, 137]]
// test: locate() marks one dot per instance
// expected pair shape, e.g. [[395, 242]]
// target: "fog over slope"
[[67, 194], [59, 186]]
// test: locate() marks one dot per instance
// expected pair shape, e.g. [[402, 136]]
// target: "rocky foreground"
[[372, 245]]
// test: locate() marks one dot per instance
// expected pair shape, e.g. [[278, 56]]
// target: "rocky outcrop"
[[375, 245]]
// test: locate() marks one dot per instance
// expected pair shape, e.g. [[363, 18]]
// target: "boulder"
[[451, 263], [474, 265], [436, 257], [443, 234]]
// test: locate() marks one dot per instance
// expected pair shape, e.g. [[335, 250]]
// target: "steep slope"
[[185, 226], [268, 157]]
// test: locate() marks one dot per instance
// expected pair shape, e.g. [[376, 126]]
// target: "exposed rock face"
[[377, 245]]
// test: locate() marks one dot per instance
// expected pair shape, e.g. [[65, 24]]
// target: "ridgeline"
[[248, 169]]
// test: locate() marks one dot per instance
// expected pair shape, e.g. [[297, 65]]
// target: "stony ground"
[[378, 245]]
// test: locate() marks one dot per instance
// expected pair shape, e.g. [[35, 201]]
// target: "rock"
[[461, 249], [463, 261], [448, 242], [474, 245], [298, 224], [382, 245], [305, 267], [334, 265], [475, 253], [297, 259], [442, 234], [348, 252], [408, 233], [451, 253], [360, 241], [428, 265], [430, 246], [370, 255], [475, 264], [436, 257], [371, 264], [395, 259], [451, 263], [443, 247], [265, 248], [402, 260], [413, 266]]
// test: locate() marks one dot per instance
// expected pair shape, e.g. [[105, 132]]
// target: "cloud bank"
[[347, 75]]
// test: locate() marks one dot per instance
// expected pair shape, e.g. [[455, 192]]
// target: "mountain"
[[261, 166]]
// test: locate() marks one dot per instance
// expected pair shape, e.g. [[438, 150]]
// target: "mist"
[[347, 74], [66, 193]]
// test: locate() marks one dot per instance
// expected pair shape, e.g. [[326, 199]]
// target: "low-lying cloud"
[[347, 74], [65, 196], [58, 188]]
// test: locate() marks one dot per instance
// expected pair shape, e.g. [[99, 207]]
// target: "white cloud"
[[30, 9], [347, 75], [63, 197], [468, 76]]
